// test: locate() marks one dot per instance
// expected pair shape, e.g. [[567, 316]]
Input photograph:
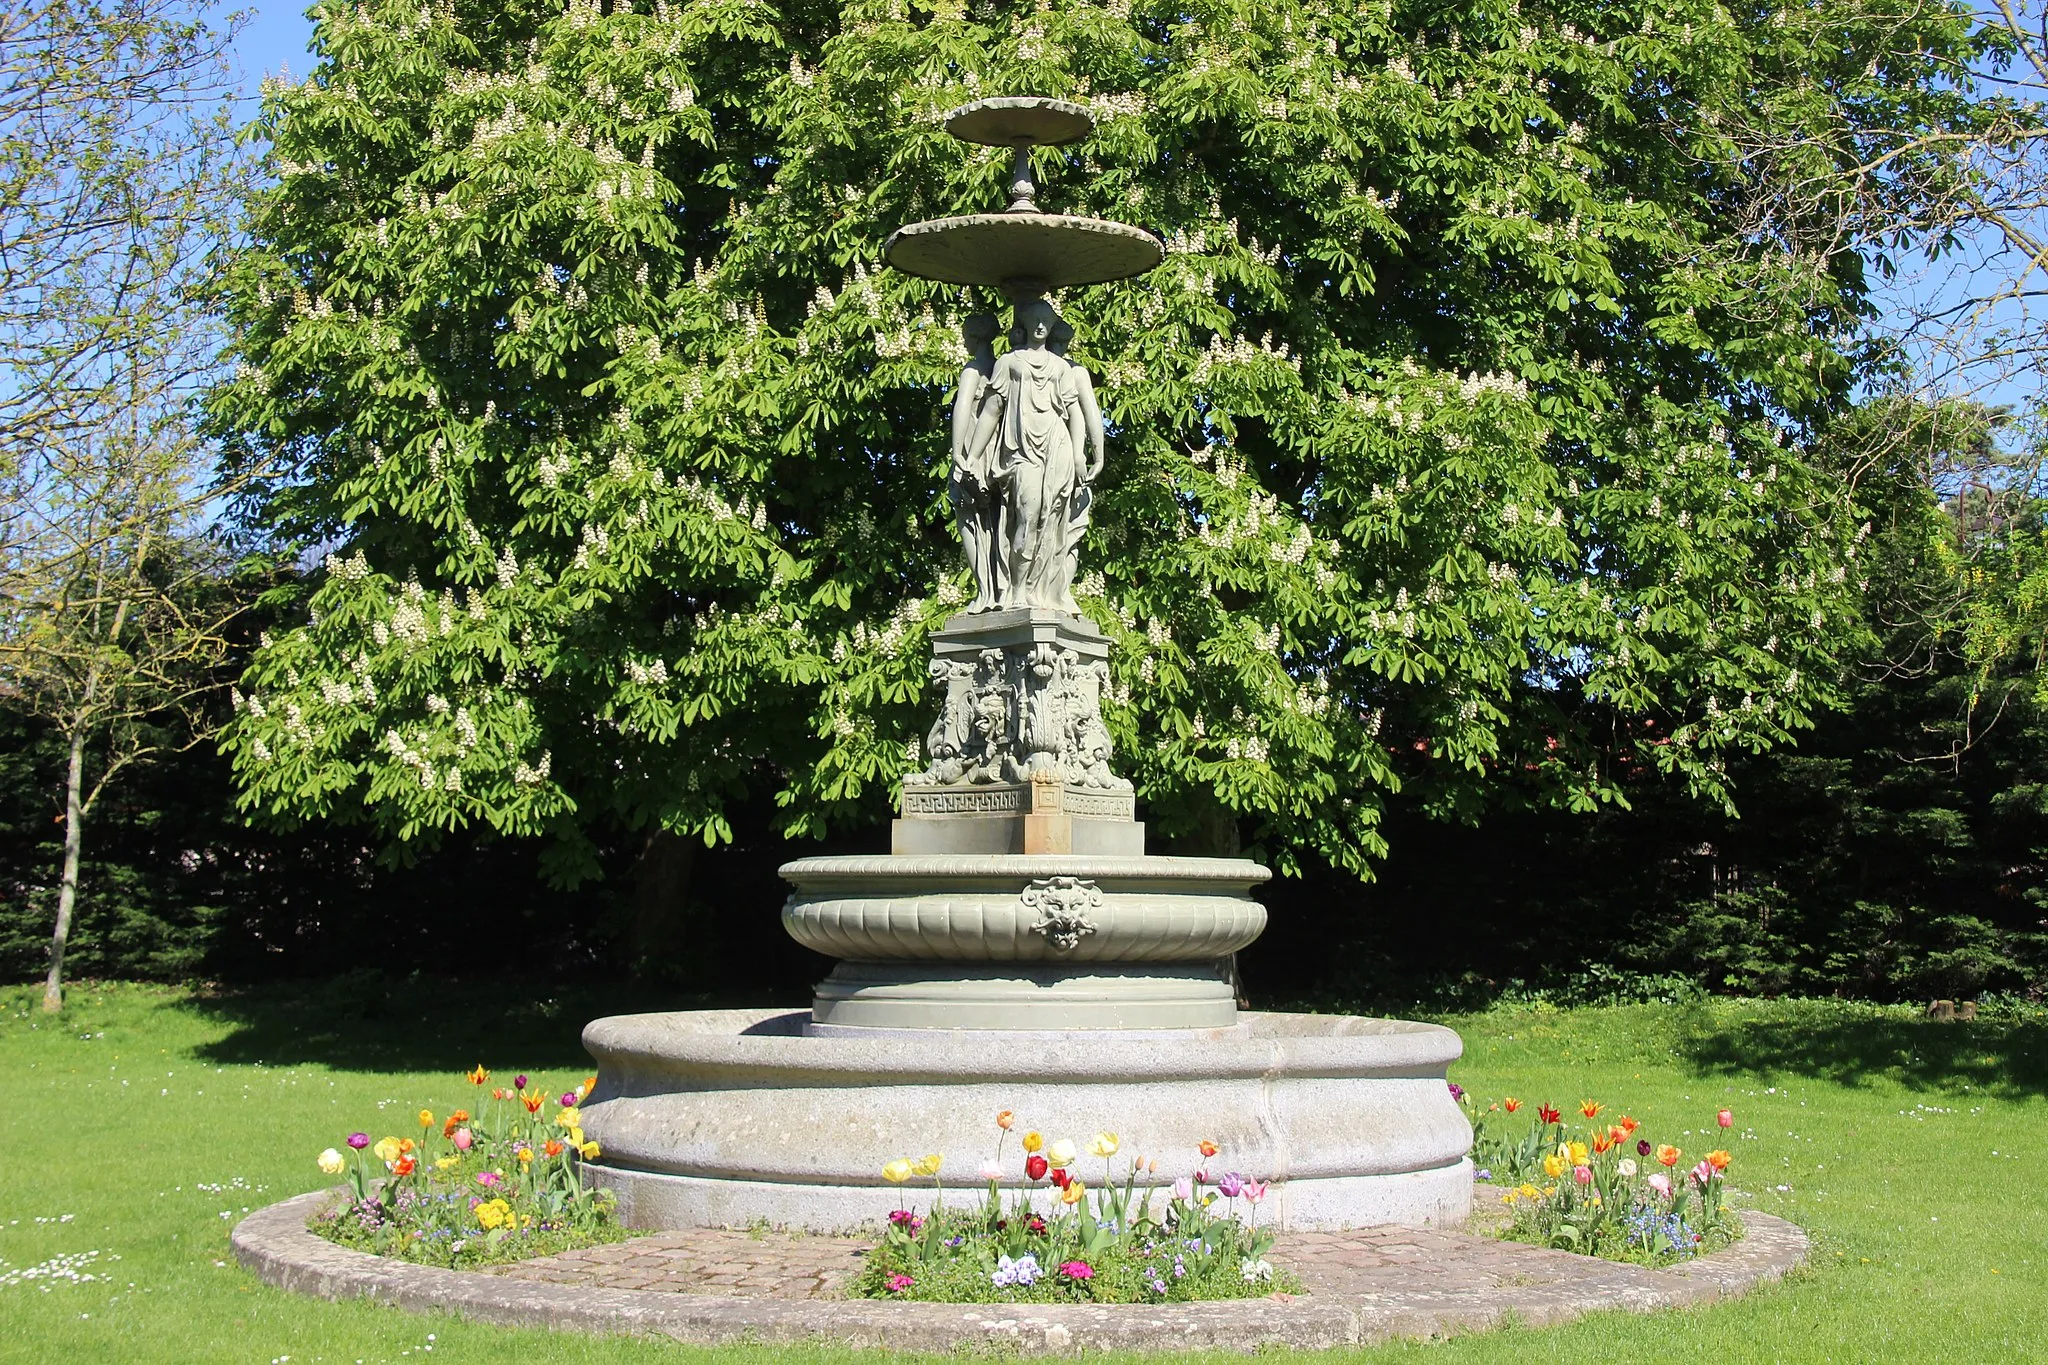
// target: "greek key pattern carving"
[[1062, 906], [972, 801], [1102, 805]]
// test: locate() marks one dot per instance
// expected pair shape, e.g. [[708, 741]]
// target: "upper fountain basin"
[[1044, 251]]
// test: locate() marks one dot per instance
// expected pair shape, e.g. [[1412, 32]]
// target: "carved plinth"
[[1019, 757]]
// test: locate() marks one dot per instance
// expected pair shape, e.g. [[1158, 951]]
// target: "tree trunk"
[[661, 894], [67, 891]]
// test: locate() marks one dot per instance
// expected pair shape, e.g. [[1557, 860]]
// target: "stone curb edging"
[[276, 1245]]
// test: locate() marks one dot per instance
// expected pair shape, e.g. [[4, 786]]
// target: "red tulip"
[[1035, 1166], [1060, 1177], [1548, 1113]]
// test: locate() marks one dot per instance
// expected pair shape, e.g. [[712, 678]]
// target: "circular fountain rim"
[[1122, 250], [770, 1043], [1020, 121], [966, 868]]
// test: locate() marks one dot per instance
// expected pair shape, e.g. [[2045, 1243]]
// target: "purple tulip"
[[359, 1140], [1643, 1147], [568, 1099], [519, 1081], [1457, 1091], [1231, 1185]]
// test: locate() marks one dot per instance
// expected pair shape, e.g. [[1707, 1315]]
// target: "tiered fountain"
[[1017, 948]]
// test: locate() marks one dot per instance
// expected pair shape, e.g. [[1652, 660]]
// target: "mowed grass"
[[140, 1123]]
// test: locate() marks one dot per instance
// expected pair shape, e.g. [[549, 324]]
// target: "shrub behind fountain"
[[1017, 949]]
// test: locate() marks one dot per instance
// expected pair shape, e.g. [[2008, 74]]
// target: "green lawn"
[[140, 1123]]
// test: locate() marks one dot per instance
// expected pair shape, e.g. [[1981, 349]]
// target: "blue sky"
[[274, 38]]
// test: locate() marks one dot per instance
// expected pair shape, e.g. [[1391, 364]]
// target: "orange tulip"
[[1590, 1108], [553, 1148], [403, 1166], [1511, 1104], [1615, 1132], [533, 1102], [1668, 1155], [479, 1076], [1601, 1142], [1208, 1148], [1005, 1119], [1718, 1160], [1629, 1125]]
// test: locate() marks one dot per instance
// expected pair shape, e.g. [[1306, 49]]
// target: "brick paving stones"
[[711, 1285]]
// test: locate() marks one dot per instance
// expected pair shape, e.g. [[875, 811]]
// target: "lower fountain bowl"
[[737, 1116]]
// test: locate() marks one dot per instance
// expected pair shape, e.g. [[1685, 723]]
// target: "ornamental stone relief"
[[1062, 905], [1020, 712]]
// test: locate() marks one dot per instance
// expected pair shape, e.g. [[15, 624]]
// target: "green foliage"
[[1464, 430]]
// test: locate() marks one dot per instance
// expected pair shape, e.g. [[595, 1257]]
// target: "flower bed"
[[1603, 1189], [1133, 1241], [502, 1184]]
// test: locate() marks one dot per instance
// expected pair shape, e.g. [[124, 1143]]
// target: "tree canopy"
[[1467, 443]]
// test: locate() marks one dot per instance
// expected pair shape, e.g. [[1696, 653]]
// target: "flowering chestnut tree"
[[1460, 444]]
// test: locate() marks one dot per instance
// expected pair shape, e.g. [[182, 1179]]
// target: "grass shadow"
[[369, 1021], [1856, 1045]]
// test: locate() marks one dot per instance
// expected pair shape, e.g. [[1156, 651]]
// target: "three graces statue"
[[1027, 442]]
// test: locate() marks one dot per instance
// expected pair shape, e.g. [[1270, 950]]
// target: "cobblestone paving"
[[707, 1261], [714, 1286]]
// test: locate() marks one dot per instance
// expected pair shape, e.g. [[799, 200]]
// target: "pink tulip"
[[1254, 1190], [462, 1139], [1726, 1118], [1661, 1183], [1583, 1174], [1183, 1189], [1703, 1173]]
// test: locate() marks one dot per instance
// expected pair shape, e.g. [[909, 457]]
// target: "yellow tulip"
[[1553, 1166], [568, 1118], [1033, 1141], [330, 1162], [589, 1150], [1061, 1153], [898, 1171], [1578, 1154], [526, 1156], [929, 1164], [1102, 1145], [387, 1149], [426, 1118], [1072, 1193]]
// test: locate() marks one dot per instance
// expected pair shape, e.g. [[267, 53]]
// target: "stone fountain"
[[1017, 948]]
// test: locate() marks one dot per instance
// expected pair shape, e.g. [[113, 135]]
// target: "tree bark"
[[661, 892], [67, 890]]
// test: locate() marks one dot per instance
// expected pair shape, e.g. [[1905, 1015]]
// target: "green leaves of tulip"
[[1457, 446]]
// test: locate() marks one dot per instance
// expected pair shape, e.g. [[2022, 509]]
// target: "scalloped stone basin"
[[1024, 941], [1051, 250], [727, 1116]]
